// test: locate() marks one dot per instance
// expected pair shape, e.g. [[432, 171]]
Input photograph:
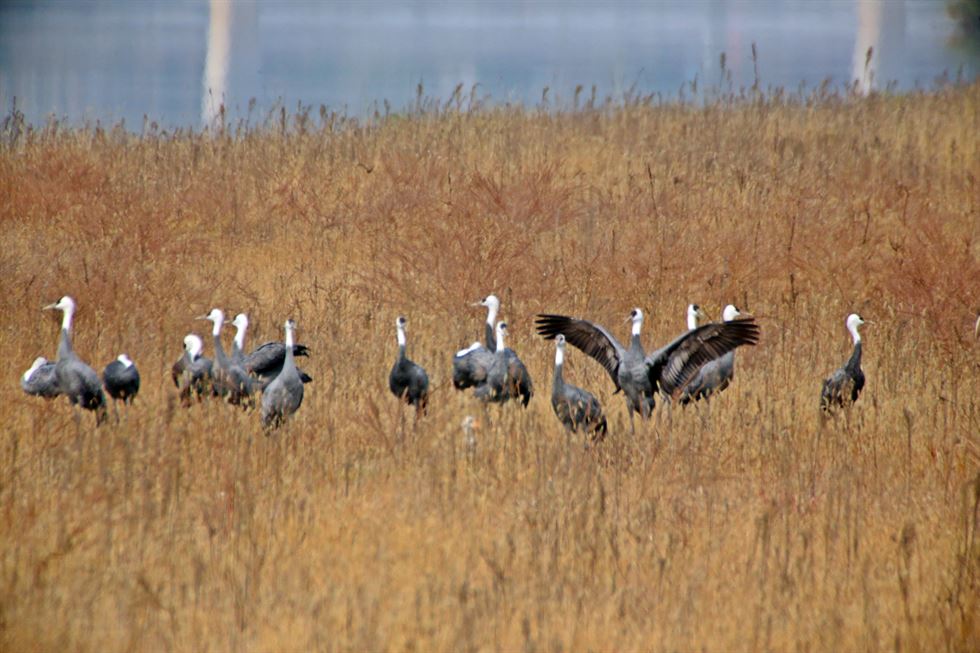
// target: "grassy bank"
[[746, 526]]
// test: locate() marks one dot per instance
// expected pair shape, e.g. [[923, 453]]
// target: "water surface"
[[176, 62]]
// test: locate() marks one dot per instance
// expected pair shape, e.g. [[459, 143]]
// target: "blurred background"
[[177, 62]]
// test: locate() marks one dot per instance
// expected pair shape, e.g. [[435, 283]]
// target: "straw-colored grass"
[[743, 526]]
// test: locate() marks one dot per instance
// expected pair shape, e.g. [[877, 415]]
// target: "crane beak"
[[477, 304], [201, 317], [702, 315], [50, 307]]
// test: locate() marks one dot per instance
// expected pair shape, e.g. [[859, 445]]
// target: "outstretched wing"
[[590, 338], [672, 367]]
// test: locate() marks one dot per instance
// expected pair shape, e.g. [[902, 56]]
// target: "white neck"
[[216, 330], [401, 335], [559, 355], [853, 328], [240, 336], [692, 320], [500, 340], [637, 325], [289, 338], [492, 314], [124, 359], [69, 312]]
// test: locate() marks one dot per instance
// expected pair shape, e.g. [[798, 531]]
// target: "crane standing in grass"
[[192, 371], [575, 408], [121, 379], [507, 377], [76, 379], [284, 395], [844, 386], [407, 380], [230, 380], [470, 365]]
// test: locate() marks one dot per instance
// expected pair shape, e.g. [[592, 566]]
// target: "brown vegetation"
[[744, 527]]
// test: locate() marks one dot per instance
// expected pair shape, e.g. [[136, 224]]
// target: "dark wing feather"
[[674, 365], [268, 357], [518, 377], [471, 368], [590, 338]]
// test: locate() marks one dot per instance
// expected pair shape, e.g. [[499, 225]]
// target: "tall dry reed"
[[746, 525]]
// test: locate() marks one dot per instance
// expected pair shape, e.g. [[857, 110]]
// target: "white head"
[[67, 306], [193, 345], [217, 316], [559, 349], [66, 303], [241, 324], [730, 313], [124, 359], [501, 335], [694, 316], [853, 322], [400, 323], [636, 317], [493, 307], [38, 362]]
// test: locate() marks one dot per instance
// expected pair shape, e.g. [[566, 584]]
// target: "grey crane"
[[407, 380], [192, 371], [716, 375], [470, 365], [229, 379], [77, 381], [121, 379], [40, 380], [265, 361], [667, 369], [844, 386], [506, 377], [284, 395], [575, 407]]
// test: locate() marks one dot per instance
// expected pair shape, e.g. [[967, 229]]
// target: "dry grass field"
[[746, 526]]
